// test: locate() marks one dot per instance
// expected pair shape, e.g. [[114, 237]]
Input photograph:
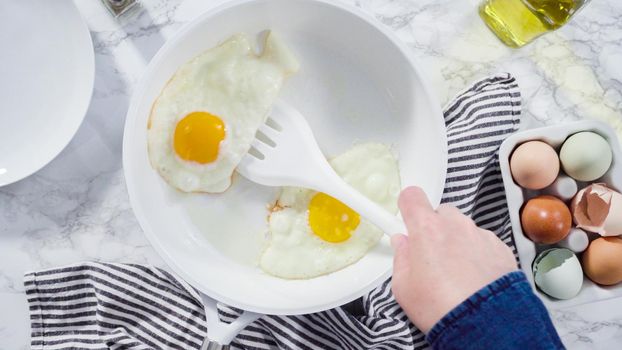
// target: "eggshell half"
[[558, 273], [613, 222], [598, 209]]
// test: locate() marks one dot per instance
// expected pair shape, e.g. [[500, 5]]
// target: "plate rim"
[[90, 61]]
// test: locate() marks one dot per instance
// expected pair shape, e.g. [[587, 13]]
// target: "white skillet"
[[357, 83]]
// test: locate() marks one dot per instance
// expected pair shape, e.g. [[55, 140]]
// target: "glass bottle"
[[517, 22]]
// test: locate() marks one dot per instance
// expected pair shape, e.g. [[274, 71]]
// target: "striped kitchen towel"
[[124, 306]]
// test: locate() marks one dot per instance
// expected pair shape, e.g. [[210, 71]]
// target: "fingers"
[[506, 252], [447, 210], [490, 236], [401, 264], [397, 240], [453, 216], [414, 205]]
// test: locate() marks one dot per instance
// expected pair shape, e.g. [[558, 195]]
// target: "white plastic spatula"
[[285, 153]]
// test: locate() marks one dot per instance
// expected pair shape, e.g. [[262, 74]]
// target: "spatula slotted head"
[[284, 152]]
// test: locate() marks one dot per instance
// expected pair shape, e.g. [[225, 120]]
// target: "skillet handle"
[[220, 334]]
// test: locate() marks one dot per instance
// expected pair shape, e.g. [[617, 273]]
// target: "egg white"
[[295, 252], [230, 82]]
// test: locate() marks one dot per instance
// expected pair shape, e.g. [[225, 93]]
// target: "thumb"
[[401, 265]]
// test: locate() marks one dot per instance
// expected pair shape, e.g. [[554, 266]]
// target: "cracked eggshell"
[[558, 273], [598, 209]]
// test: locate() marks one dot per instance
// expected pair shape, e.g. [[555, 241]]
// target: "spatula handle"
[[335, 186]]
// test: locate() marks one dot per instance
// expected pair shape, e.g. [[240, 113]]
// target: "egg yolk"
[[330, 219], [197, 137]]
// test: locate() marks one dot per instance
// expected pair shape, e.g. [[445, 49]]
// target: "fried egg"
[[206, 117], [313, 234]]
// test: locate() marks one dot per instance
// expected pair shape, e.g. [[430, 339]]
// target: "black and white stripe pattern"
[[123, 306]]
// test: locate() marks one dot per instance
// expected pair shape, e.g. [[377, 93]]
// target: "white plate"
[[516, 196], [356, 83], [47, 69]]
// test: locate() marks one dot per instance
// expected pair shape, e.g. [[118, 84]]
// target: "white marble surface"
[[76, 208]]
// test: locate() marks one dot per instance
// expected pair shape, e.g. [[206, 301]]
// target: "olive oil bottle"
[[517, 22]]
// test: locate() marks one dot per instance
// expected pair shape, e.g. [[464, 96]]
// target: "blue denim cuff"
[[504, 314]]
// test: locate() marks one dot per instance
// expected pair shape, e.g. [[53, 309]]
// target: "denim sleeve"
[[505, 314]]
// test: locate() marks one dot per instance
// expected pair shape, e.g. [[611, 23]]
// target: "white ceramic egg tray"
[[516, 196]]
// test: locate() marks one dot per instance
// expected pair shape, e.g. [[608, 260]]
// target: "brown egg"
[[602, 261], [546, 219], [534, 165]]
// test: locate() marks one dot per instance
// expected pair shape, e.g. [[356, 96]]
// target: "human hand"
[[444, 259]]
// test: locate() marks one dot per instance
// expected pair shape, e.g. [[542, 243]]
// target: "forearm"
[[503, 315]]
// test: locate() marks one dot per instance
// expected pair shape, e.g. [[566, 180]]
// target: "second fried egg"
[[313, 234]]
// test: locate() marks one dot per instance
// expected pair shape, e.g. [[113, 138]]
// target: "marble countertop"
[[77, 208]]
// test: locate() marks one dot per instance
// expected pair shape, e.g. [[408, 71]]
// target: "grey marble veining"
[[77, 208]]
